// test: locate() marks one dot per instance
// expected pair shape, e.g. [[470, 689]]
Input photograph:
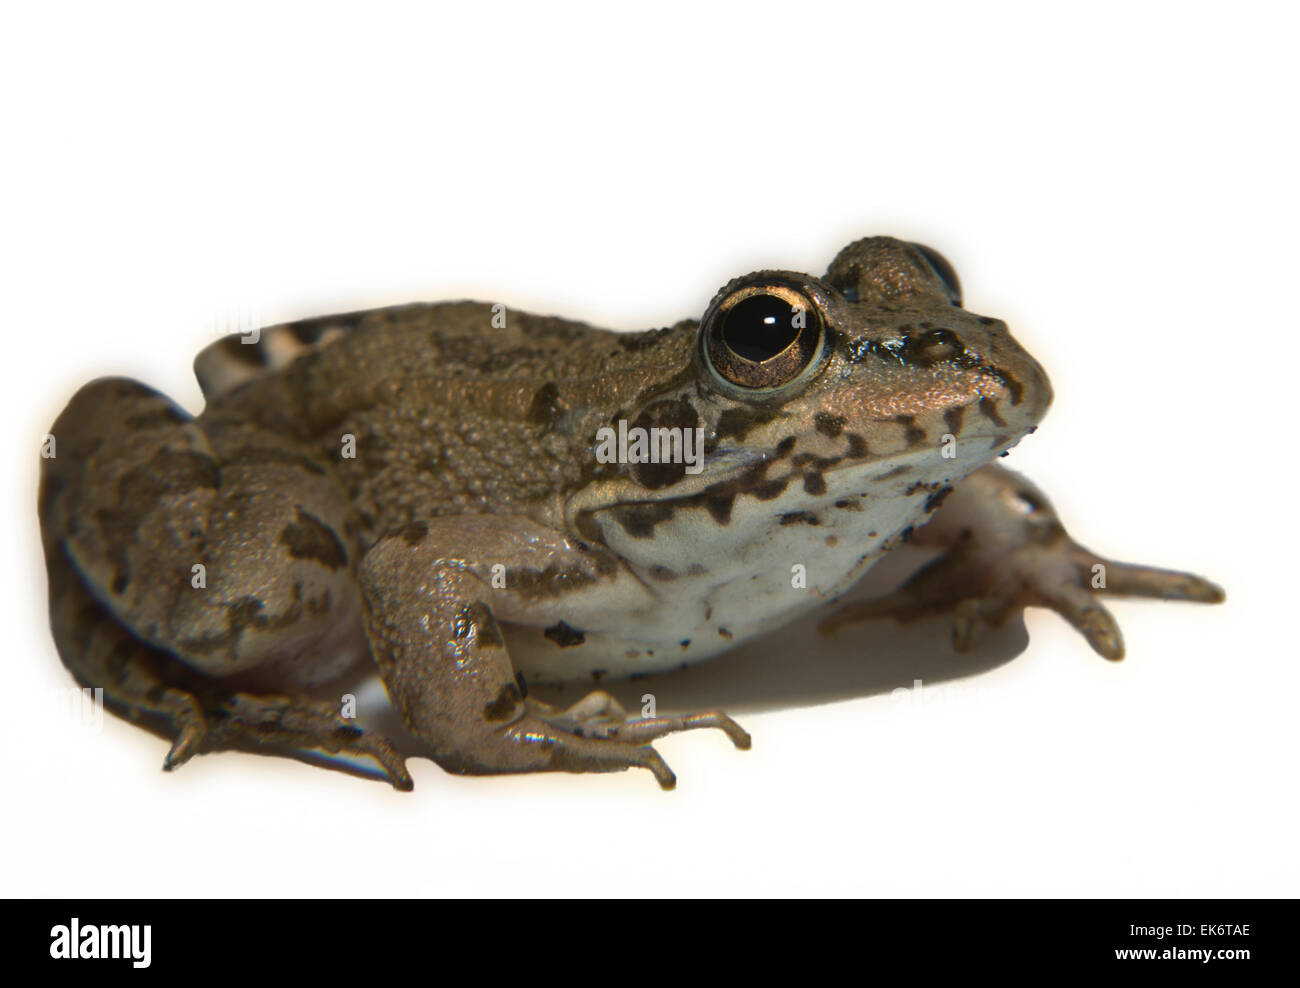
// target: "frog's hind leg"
[[134, 677], [150, 688], [127, 463]]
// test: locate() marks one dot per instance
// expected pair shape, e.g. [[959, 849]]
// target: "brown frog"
[[473, 499]]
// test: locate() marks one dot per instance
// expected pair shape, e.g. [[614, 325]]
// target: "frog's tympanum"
[[474, 499]]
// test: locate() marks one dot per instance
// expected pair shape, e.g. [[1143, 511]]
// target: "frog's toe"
[[646, 757], [647, 729], [599, 715], [1035, 576], [188, 742], [566, 750], [1129, 579], [1087, 615], [983, 586], [299, 727]]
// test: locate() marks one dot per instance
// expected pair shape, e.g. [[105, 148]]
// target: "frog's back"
[[461, 339], [452, 408]]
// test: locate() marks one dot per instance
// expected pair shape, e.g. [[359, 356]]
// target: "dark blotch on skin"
[[545, 407], [558, 579], [505, 704], [953, 417], [800, 518], [770, 490], [565, 636], [737, 422], [719, 508], [845, 504], [912, 434], [311, 538], [989, 409], [814, 484], [247, 612], [476, 620], [639, 520], [668, 414], [933, 502], [828, 424]]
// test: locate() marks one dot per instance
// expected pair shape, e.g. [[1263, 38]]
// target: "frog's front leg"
[[432, 611], [1007, 550]]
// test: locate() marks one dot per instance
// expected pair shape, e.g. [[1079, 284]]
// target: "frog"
[[466, 499]]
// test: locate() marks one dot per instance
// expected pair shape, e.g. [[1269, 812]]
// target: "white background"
[[1117, 182]]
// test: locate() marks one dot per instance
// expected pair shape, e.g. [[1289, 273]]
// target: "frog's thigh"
[[225, 557], [429, 614]]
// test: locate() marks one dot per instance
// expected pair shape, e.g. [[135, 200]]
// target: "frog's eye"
[[947, 274], [763, 336]]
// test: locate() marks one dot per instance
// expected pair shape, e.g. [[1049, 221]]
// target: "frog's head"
[[879, 355], [812, 390]]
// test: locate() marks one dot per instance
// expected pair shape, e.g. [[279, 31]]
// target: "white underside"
[[737, 581]]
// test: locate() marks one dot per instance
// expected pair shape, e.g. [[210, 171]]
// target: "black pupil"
[[759, 327]]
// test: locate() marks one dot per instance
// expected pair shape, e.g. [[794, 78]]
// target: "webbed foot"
[[1007, 550]]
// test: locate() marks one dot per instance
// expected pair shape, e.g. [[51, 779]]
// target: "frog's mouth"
[[806, 466]]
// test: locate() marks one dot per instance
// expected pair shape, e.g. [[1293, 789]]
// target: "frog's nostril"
[[934, 352]]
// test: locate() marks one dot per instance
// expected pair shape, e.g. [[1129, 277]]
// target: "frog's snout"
[[1029, 391], [1016, 390]]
